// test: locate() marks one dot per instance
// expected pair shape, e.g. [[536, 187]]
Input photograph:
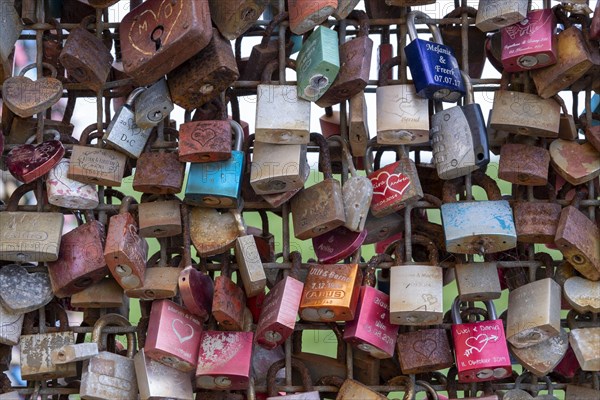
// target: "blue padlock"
[[218, 184], [433, 67]]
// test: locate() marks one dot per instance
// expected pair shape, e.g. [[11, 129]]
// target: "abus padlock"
[[173, 336], [459, 137], [530, 43], [432, 65], [157, 381], [318, 63], [493, 14], [402, 115], [123, 133], [306, 14], [218, 184], [233, 18], [153, 105], [477, 227], [371, 330], [355, 65], [125, 251], [480, 347]]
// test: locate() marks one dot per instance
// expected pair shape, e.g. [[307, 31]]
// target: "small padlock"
[[106, 293], [524, 164], [153, 105], [493, 15], [459, 137], [366, 367], [537, 221], [432, 65], [309, 392], [159, 217], [233, 18], [576, 163], [477, 281], [305, 15], [229, 300], [156, 380], [68, 193], [125, 251], [350, 389], [218, 184], [337, 244], [358, 128], [576, 291], [29, 162], [250, 267], [278, 168], [584, 338]]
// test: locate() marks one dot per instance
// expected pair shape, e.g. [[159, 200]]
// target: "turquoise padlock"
[[218, 184]]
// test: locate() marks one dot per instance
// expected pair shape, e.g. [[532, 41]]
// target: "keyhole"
[[156, 35]]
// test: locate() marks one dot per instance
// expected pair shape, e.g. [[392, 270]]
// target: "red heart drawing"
[[30, 162]]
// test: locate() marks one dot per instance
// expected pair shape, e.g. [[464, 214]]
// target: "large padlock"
[[157, 381], [493, 15], [218, 184], [420, 302], [309, 392], [153, 105], [371, 330], [280, 308], [159, 36], [29, 162], [480, 347], [278, 168], [80, 259], [282, 117], [173, 336], [459, 137], [29, 236], [126, 251], [319, 208], [229, 300], [68, 193], [109, 376], [537, 221], [584, 338], [85, 57], [233, 18], [432, 65], [305, 15], [402, 115], [159, 217], [394, 186], [318, 62], [477, 227], [250, 266], [204, 76], [524, 164], [106, 293], [355, 65], [477, 281]]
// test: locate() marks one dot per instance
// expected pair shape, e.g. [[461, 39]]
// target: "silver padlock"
[[153, 105], [74, 352]]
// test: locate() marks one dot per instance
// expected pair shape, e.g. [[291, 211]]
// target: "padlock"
[[493, 15], [536, 221], [402, 115], [480, 347], [250, 267], [533, 313], [371, 330], [265, 241], [96, 165], [459, 137], [305, 15], [173, 336], [206, 140], [29, 162], [11, 325], [424, 350], [524, 164], [125, 251], [577, 392], [319, 209], [477, 227], [153, 105], [10, 30], [204, 76], [576, 291], [366, 368], [29, 236], [318, 62], [80, 259], [355, 65], [161, 277], [567, 129], [530, 43], [380, 9], [123, 134], [36, 348], [280, 308], [524, 113], [477, 281], [159, 217], [229, 300], [337, 244], [157, 37], [212, 231], [68, 193], [278, 168], [108, 375], [576, 163], [156, 381], [331, 293], [380, 229], [421, 302], [309, 392], [344, 8], [432, 64], [104, 294], [394, 186], [85, 57], [218, 184], [583, 338], [350, 389], [233, 18], [74, 352], [358, 128], [13, 278], [540, 359], [517, 393]]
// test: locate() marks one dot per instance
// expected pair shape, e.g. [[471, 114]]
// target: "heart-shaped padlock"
[[577, 163], [21, 291], [29, 162]]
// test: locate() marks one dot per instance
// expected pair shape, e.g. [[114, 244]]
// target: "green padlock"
[[318, 63]]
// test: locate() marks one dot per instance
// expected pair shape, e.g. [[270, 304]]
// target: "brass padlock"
[[104, 294], [477, 281], [156, 380], [250, 267], [540, 359], [233, 18], [159, 217]]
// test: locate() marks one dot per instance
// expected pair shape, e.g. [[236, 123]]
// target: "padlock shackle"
[[455, 311], [297, 365], [44, 65], [330, 380], [113, 320], [369, 278], [238, 134], [296, 259], [363, 22], [412, 30], [125, 204], [346, 157], [384, 69], [86, 135], [324, 156], [55, 136], [469, 93], [271, 67], [277, 19], [452, 187], [13, 201], [562, 104], [429, 389]]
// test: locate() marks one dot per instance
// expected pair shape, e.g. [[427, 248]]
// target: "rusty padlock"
[[233, 18], [524, 164], [159, 216], [537, 221], [305, 15], [229, 300]]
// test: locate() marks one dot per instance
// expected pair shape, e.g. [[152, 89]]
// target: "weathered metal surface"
[[582, 294], [21, 291], [541, 358], [577, 163]]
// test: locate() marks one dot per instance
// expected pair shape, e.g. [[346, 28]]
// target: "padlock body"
[[205, 141], [216, 184], [196, 290], [36, 362], [279, 311], [371, 330], [258, 60], [158, 173], [425, 350], [27, 236], [159, 283], [420, 302], [523, 164], [585, 346], [434, 70], [394, 186], [250, 265], [460, 143], [470, 227], [493, 15], [153, 105], [97, 166], [358, 127], [212, 232], [306, 14], [353, 390], [173, 336], [224, 360], [402, 115], [536, 222], [278, 168], [67, 193], [124, 135], [337, 244], [477, 281], [331, 293], [480, 351], [379, 229], [228, 304], [160, 218], [156, 380], [105, 294], [11, 325], [233, 18], [108, 376]]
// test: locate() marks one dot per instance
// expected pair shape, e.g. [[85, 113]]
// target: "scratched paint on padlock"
[[65, 192], [218, 349]]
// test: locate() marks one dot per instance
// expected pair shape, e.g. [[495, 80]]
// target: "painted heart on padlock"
[[26, 97], [577, 163], [23, 292], [386, 182], [141, 38], [29, 162]]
